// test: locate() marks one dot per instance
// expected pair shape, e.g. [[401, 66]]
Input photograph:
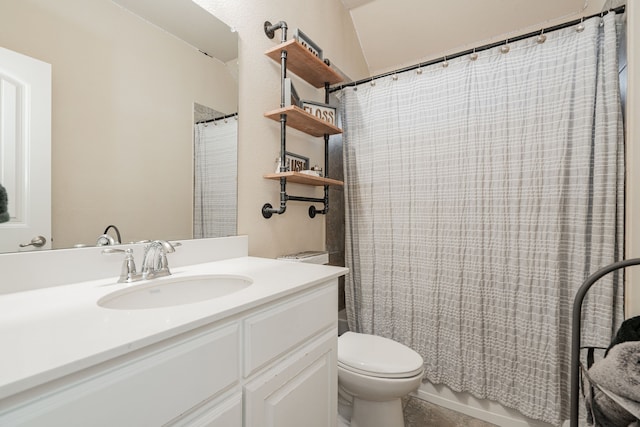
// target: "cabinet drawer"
[[275, 331], [145, 390]]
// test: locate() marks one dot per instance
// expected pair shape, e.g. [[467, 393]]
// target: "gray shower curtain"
[[215, 186], [478, 198]]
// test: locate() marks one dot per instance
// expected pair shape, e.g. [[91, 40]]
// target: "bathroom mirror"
[[124, 89]]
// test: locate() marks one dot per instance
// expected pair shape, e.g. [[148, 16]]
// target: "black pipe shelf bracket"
[[576, 326], [270, 30], [318, 73]]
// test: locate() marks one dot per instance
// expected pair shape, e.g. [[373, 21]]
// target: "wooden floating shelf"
[[304, 64], [303, 178], [299, 119]]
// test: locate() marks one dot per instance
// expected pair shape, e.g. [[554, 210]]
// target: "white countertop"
[[52, 332]]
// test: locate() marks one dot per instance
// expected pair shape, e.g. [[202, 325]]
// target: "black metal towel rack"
[[575, 331]]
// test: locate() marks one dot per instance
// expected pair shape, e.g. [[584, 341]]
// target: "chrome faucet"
[[105, 240], [154, 262]]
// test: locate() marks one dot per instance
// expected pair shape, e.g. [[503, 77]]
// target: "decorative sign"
[[322, 111], [295, 162], [307, 43], [290, 95]]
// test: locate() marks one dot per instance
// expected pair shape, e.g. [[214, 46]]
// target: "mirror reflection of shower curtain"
[[215, 184]]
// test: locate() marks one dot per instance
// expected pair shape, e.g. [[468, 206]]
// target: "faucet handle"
[[167, 246], [128, 273]]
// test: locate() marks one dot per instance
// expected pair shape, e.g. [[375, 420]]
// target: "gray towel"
[[629, 331], [617, 403], [4, 205]]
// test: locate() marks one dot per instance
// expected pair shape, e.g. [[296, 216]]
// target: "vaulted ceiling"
[[398, 33]]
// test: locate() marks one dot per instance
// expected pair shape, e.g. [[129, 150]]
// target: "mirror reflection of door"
[[215, 173], [25, 151]]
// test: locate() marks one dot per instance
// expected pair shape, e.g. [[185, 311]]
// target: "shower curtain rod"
[[618, 9], [218, 118]]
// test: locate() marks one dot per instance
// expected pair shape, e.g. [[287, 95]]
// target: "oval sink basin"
[[174, 291]]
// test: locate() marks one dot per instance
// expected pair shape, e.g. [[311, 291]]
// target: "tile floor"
[[418, 413]]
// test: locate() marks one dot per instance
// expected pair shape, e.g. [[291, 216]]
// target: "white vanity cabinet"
[[271, 364]]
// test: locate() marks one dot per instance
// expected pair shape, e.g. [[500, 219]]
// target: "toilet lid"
[[377, 356]]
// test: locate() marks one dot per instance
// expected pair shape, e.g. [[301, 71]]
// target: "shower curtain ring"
[[542, 37], [445, 63], [505, 48], [473, 55], [419, 70], [580, 27], [372, 83]]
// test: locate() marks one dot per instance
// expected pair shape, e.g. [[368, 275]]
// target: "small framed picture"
[[322, 111], [307, 43], [295, 162]]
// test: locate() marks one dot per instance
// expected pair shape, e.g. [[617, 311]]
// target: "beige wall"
[[101, 123], [633, 158], [123, 93], [329, 25]]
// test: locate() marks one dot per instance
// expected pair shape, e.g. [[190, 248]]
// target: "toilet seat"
[[377, 356]]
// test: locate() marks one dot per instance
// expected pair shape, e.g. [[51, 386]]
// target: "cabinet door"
[[227, 413], [299, 391]]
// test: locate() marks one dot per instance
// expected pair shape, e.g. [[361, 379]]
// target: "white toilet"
[[376, 373]]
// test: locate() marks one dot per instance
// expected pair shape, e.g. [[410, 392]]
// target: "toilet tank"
[[319, 257], [311, 257]]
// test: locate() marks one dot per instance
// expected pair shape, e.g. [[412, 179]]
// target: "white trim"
[[632, 226], [467, 404]]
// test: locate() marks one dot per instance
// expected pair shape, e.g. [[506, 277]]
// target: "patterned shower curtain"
[[479, 197], [216, 182]]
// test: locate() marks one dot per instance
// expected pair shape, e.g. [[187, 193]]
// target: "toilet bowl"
[[376, 372]]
